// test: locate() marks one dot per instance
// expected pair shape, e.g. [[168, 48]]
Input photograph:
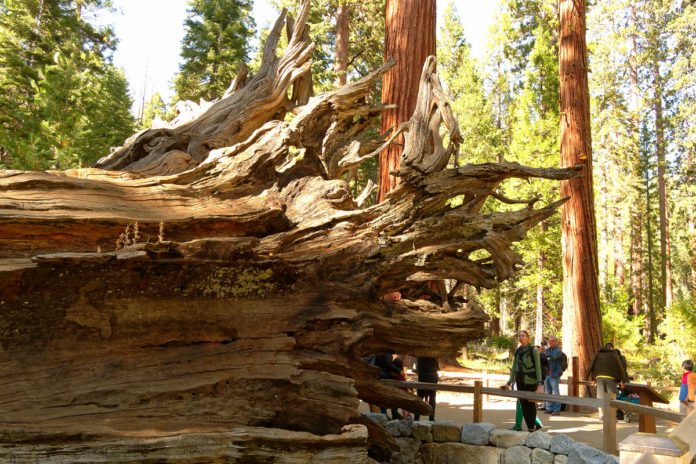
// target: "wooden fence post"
[[485, 384], [609, 420], [576, 380], [478, 402]]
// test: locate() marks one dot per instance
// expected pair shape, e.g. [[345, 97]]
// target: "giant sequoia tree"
[[207, 294], [582, 318]]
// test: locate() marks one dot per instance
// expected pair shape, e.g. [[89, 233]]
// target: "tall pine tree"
[[215, 45]]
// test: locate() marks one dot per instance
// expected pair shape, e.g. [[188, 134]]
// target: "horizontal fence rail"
[[609, 404]]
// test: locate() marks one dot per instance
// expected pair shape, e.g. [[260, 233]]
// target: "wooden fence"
[[609, 404]]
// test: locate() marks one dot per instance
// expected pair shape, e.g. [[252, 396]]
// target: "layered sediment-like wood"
[[230, 304]]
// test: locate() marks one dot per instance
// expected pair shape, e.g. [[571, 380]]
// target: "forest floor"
[[583, 427]]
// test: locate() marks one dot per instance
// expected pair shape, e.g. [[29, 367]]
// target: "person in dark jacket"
[[388, 369], [606, 370], [553, 379], [526, 373], [427, 372]]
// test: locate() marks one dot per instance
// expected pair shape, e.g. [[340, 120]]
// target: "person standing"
[[526, 373], [388, 370], [606, 371], [427, 372], [687, 390], [553, 378]]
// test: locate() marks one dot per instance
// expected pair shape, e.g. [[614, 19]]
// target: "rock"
[[477, 434], [423, 431], [541, 456], [560, 459], [405, 428], [393, 428], [407, 453], [377, 417], [517, 455], [444, 453], [508, 438], [538, 439], [561, 444], [583, 454], [447, 431]]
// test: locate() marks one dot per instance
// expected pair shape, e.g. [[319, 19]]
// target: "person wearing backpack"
[[556, 367], [526, 373]]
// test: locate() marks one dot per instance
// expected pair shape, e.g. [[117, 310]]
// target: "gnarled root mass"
[[209, 293]]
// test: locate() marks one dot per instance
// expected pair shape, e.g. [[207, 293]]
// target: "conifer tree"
[[63, 103], [215, 45]]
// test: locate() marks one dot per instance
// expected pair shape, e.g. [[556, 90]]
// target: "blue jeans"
[[551, 385]]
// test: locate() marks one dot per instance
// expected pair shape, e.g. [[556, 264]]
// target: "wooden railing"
[[609, 404]]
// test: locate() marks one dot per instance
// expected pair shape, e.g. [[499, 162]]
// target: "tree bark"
[[342, 42], [582, 322], [409, 39], [223, 312], [665, 265], [635, 215]]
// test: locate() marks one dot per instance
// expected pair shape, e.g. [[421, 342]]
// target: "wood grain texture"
[[240, 307]]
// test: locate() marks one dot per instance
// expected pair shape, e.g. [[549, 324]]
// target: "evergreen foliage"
[[63, 103], [215, 45]]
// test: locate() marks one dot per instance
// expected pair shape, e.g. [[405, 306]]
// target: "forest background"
[[64, 104]]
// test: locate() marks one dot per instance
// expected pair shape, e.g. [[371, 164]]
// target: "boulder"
[[508, 438], [541, 456], [584, 454], [409, 448], [393, 428], [445, 453], [539, 439], [377, 417], [517, 455], [405, 428], [477, 434], [447, 431], [561, 444], [560, 459], [423, 431]]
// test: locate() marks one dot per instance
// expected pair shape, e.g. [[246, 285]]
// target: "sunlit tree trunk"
[[342, 41], [582, 321], [666, 268], [409, 38], [635, 215]]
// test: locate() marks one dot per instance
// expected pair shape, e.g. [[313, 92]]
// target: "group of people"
[[536, 369], [426, 368]]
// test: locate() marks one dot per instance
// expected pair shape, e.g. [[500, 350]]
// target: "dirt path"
[[581, 427]]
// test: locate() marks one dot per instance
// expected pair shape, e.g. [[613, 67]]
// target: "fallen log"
[[230, 298]]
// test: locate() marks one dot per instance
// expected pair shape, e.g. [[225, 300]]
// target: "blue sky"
[[150, 34]]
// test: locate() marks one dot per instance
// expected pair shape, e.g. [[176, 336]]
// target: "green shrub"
[[503, 342]]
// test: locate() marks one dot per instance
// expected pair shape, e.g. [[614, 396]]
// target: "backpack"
[[564, 362]]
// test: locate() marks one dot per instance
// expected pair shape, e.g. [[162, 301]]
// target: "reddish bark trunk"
[[342, 40], [410, 39], [582, 322]]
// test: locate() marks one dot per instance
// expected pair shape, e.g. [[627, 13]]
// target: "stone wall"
[[426, 442]]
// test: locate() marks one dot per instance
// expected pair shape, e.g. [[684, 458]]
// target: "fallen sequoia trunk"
[[179, 310]]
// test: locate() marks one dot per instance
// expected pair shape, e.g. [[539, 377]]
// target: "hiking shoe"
[[538, 427], [555, 413], [516, 429]]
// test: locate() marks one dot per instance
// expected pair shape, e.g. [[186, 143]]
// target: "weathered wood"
[[242, 289], [609, 425], [478, 402]]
